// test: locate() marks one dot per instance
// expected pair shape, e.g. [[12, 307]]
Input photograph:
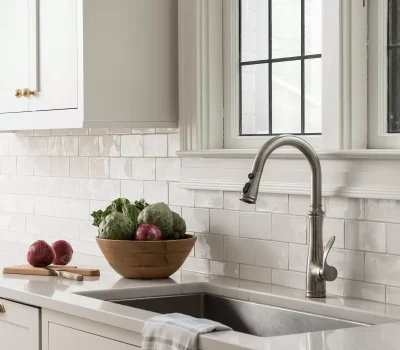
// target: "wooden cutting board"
[[30, 270]]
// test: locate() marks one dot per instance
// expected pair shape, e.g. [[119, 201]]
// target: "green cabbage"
[[117, 226], [160, 215]]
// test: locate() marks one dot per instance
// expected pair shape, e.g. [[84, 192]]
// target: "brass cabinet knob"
[[18, 93], [2, 308], [27, 92]]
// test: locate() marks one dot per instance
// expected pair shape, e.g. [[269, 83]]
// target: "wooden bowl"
[[146, 260]]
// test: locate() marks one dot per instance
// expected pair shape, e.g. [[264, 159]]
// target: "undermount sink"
[[242, 316]]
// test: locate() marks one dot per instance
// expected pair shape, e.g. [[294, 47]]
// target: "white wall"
[[50, 182]]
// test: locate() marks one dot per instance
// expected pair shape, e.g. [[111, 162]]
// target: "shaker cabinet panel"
[[14, 57]]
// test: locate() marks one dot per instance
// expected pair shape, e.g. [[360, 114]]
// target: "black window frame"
[[270, 61]]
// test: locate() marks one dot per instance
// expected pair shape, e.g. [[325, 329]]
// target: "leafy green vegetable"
[[179, 226], [121, 205], [160, 215], [117, 226]]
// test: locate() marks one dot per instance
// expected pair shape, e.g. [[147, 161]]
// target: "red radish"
[[40, 254], [148, 232], [63, 252]]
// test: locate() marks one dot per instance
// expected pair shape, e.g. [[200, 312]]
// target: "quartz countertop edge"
[[69, 297]]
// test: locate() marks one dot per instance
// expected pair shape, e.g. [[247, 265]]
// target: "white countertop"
[[57, 294]]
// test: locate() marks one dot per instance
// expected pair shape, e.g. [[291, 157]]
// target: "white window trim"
[[361, 173]]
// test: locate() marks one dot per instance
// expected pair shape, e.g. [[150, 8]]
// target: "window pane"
[[394, 89], [255, 99], [286, 28], [394, 25], [286, 97], [312, 26], [313, 96], [254, 30]]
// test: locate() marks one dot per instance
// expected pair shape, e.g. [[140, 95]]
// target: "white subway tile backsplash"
[[155, 191], [133, 190], [255, 273], [144, 169], [180, 196], [287, 228], [209, 247], [272, 254], [168, 169], [121, 168], [110, 146], [344, 208], [349, 263], [99, 131], [42, 166], [69, 146], [239, 250], [382, 210], [364, 235], [59, 166], [298, 254], [9, 165], [362, 290], [209, 199], [393, 295], [393, 239], [132, 146], [334, 227], [99, 168], [273, 203], [79, 209], [197, 220], [155, 145], [225, 269], [25, 165], [232, 202], [382, 269], [255, 225], [289, 279], [173, 144], [79, 167], [89, 146], [224, 222], [299, 205]]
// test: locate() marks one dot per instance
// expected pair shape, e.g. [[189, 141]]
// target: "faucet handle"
[[327, 272]]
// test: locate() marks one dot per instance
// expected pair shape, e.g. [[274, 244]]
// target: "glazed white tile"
[[344, 208], [298, 254], [79, 209], [225, 269], [121, 168], [155, 145], [255, 273], [41, 132], [42, 166], [287, 228], [59, 166], [25, 204], [143, 131], [69, 146], [9, 203], [362, 290], [60, 207], [110, 146], [299, 205], [272, 254], [83, 131], [224, 222], [133, 190], [25, 165], [239, 250], [209, 247], [197, 220], [393, 239], [197, 265], [180, 196], [60, 132], [155, 191], [382, 269], [393, 295], [17, 222], [132, 146], [255, 225], [167, 130], [168, 169], [349, 263], [144, 169], [334, 227], [273, 203], [87, 248], [208, 199], [79, 167], [99, 131], [89, 146], [364, 235], [9, 165], [99, 168], [289, 279], [382, 210], [51, 186], [120, 131], [173, 144], [232, 202], [176, 209]]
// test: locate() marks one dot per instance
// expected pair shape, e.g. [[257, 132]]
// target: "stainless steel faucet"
[[318, 270]]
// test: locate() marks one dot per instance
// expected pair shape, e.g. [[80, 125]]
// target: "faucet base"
[[315, 295]]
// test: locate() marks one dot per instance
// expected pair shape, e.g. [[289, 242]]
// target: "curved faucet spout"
[[318, 270], [250, 190]]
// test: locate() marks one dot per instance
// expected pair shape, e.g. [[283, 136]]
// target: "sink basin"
[[242, 316]]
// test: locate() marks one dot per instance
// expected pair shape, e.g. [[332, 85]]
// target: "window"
[[280, 67]]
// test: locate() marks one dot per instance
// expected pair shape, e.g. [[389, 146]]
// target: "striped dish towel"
[[176, 332]]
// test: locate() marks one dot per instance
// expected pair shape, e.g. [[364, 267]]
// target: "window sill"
[[354, 173]]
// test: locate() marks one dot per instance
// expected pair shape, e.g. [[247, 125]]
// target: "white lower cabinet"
[[65, 332], [19, 326]]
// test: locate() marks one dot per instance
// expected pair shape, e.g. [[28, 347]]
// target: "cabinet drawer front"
[[65, 338], [19, 326]]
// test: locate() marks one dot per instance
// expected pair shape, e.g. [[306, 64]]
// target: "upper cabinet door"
[[53, 69], [14, 57]]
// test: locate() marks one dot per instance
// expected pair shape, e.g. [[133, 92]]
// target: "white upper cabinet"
[[88, 63]]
